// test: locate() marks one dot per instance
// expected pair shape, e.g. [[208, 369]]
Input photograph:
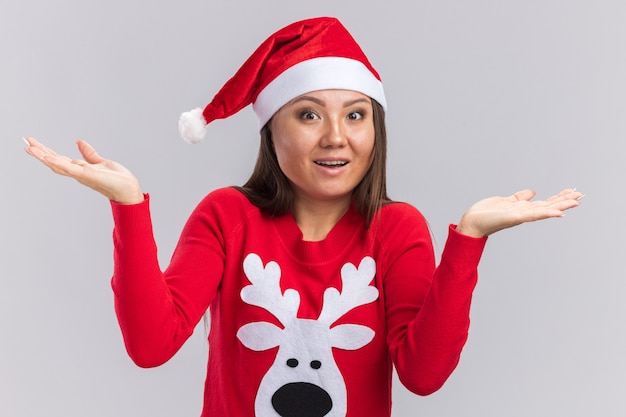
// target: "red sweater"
[[296, 324]]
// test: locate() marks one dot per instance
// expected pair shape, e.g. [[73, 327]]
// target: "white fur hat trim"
[[192, 126]]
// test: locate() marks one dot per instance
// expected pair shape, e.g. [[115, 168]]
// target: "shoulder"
[[225, 195], [395, 211], [229, 197], [227, 202], [400, 221]]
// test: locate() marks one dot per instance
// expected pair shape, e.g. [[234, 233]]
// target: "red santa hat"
[[310, 55]]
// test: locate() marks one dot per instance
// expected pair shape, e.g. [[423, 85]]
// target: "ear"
[[350, 336], [260, 335]]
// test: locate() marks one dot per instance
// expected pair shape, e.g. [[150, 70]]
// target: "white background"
[[485, 98]]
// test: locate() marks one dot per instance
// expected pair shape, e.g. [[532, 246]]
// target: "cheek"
[[282, 151], [287, 155], [366, 148]]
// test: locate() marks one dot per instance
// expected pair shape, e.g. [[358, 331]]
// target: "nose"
[[334, 134], [301, 399]]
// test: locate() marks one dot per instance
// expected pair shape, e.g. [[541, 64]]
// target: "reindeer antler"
[[355, 291], [265, 289]]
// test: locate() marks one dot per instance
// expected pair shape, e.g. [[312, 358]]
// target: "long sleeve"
[[157, 311], [428, 308]]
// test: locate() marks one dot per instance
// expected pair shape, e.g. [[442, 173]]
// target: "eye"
[[355, 115], [308, 115], [292, 363], [316, 364]]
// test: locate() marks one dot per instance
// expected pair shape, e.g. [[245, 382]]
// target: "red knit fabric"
[[419, 319]]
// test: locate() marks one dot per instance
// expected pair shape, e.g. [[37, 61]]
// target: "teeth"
[[331, 163]]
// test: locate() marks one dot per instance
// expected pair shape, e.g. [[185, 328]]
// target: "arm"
[[428, 322], [427, 307], [157, 310]]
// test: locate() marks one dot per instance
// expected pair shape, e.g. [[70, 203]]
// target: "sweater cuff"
[[462, 250], [131, 218]]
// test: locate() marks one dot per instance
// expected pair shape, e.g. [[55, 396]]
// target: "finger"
[[554, 209], [523, 195], [29, 141], [573, 194], [565, 204], [40, 151], [79, 162], [32, 148], [539, 213], [42, 154], [34, 143], [29, 151], [64, 166], [567, 194], [89, 153], [36, 152]]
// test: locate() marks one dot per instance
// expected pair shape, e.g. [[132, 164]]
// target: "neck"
[[317, 218]]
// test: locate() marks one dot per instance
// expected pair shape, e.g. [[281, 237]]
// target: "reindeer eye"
[[292, 363], [316, 364]]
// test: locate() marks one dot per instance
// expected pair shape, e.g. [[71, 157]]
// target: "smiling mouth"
[[331, 164]]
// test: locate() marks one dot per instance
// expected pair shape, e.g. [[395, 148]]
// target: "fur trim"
[[192, 126]]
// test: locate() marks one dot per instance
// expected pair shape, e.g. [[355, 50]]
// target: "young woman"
[[317, 283]]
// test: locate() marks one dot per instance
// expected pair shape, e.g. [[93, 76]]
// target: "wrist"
[[133, 198], [468, 230]]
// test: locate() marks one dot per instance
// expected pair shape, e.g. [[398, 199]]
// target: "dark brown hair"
[[269, 189]]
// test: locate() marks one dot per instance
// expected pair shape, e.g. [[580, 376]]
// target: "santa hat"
[[310, 55]]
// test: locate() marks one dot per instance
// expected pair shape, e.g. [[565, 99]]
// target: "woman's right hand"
[[105, 176]]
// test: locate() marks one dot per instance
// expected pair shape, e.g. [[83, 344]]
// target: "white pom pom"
[[192, 126]]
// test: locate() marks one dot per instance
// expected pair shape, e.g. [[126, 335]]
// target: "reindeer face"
[[304, 380]]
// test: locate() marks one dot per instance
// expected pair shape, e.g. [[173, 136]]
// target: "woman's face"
[[324, 143]]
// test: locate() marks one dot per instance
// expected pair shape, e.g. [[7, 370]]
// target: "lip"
[[331, 166], [331, 162]]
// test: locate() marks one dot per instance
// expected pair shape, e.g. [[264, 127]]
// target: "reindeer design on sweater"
[[304, 380]]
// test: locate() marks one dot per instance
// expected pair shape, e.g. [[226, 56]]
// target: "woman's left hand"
[[496, 213]]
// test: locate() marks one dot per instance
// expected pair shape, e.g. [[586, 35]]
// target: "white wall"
[[485, 97]]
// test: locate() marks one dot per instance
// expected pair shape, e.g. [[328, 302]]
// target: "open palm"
[[496, 213], [105, 176]]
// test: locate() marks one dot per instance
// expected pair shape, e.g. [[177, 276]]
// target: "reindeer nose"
[[301, 399]]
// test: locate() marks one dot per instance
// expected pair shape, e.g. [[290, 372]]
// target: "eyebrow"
[[321, 102]]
